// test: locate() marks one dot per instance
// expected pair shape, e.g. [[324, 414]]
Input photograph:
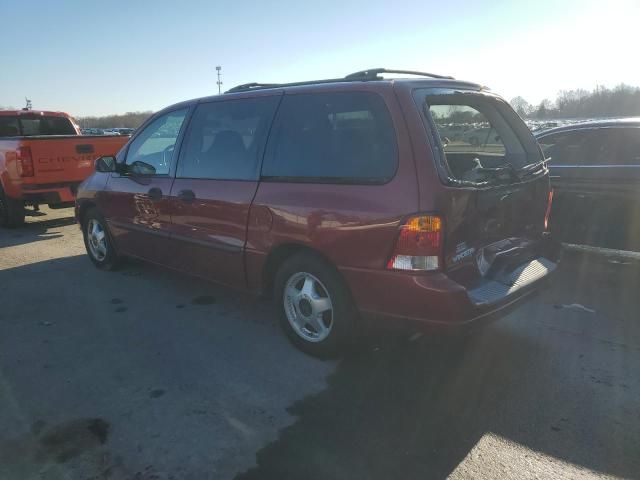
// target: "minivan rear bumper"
[[435, 301]]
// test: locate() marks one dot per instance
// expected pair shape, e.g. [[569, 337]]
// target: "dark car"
[[595, 173], [338, 198]]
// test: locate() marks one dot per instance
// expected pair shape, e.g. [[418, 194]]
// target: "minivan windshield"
[[482, 140]]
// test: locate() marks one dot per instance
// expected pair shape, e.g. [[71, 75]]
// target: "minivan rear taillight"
[[25, 162], [419, 245]]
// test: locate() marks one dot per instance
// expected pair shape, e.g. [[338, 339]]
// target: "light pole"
[[219, 82]]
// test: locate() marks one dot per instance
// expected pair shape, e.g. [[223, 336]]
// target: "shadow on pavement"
[[558, 376], [33, 231], [555, 379], [138, 373]]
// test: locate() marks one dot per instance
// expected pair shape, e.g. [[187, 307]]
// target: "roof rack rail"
[[373, 74], [250, 86], [362, 76]]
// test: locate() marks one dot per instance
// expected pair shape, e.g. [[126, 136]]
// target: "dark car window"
[[9, 127], [585, 147], [46, 126], [226, 139], [151, 152], [604, 147], [35, 125], [332, 137], [566, 148], [629, 150]]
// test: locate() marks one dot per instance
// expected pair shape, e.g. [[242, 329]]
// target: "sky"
[[111, 56]]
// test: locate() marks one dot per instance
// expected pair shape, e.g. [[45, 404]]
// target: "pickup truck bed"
[[47, 169]]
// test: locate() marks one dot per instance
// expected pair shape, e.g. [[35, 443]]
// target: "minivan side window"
[[151, 152], [225, 139], [345, 137]]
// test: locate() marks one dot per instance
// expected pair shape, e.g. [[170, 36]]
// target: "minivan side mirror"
[[105, 164], [141, 168]]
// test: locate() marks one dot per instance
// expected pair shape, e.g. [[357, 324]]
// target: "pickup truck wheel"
[[318, 315], [11, 211], [97, 241]]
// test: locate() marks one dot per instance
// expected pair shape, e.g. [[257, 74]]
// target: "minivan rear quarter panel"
[[354, 226]]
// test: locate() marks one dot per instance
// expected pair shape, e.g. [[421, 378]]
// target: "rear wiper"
[[497, 172], [532, 168]]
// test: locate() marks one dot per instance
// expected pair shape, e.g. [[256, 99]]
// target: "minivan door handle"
[[186, 196], [155, 193]]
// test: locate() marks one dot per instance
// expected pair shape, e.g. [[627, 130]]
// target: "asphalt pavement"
[[149, 374]]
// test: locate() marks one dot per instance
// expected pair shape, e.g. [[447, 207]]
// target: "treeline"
[[621, 101], [126, 120], [453, 114]]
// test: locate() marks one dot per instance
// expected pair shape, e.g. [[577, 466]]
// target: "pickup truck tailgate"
[[69, 158]]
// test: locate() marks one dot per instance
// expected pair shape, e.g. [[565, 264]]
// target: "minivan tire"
[[11, 211], [327, 283], [101, 250]]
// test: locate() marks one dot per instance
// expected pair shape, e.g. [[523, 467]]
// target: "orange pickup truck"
[[43, 158]]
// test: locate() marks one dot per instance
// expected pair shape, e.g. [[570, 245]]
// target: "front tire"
[[98, 242], [317, 313], [11, 211]]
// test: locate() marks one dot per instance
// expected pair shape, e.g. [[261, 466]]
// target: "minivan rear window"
[[482, 140], [345, 137]]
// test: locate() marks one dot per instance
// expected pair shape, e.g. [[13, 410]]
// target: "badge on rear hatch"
[[462, 252]]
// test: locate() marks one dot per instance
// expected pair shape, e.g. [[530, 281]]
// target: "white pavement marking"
[[609, 252], [578, 306]]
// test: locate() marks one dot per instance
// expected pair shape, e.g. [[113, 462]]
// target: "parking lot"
[[148, 374]]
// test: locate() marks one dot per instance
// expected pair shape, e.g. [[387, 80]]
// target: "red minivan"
[[345, 200]]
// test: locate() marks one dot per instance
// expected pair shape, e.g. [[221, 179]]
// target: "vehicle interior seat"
[[227, 152]]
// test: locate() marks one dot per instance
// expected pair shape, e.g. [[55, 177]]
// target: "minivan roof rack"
[[373, 74], [251, 86], [361, 76]]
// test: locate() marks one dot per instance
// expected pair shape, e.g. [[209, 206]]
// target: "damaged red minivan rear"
[[420, 199]]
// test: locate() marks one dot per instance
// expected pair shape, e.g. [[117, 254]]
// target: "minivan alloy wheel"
[[96, 239], [308, 307]]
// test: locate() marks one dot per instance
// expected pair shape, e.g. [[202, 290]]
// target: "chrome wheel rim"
[[308, 307], [96, 239]]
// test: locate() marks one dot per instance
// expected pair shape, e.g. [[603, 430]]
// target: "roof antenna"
[[219, 82], [29, 106]]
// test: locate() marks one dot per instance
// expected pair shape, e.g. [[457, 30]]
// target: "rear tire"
[[98, 242], [11, 211], [317, 312]]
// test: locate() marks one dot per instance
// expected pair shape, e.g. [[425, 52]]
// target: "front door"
[[136, 206], [216, 180]]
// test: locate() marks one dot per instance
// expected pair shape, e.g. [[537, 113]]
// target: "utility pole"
[[219, 82]]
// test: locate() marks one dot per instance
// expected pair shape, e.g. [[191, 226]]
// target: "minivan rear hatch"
[[496, 186]]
